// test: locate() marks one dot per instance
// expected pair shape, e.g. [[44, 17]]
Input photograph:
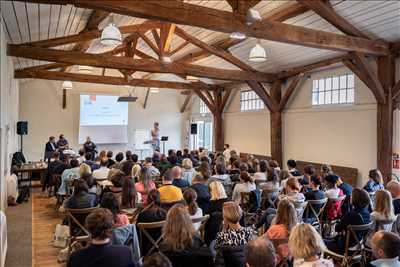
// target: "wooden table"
[[30, 169]]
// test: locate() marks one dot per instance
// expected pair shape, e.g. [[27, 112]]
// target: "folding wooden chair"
[[357, 253], [300, 208], [249, 208], [143, 228], [76, 221], [202, 220], [372, 199], [313, 206], [268, 197], [328, 225]]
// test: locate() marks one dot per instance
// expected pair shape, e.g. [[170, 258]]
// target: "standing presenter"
[[155, 137]]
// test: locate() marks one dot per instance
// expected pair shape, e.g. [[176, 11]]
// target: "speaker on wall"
[[193, 128], [22, 128]]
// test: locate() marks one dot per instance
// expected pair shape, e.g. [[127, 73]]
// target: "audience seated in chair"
[[306, 247], [314, 194], [281, 226], [110, 161], [218, 197], [181, 243], [333, 208], [383, 211], [221, 176], [358, 216], [102, 172], [386, 248], [129, 197], [100, 252], [157, 260], [110, 202], [91, 182], [176, 176], [168, 192], [292, 167], [195, 212], [151, 213], [68, 175], [202, 191], [309, 171], [394, 188], [145, 185], [246, 185], [375, 181], [188, 172], [260, 252], [118, 161], [81, 198], [128, 163]]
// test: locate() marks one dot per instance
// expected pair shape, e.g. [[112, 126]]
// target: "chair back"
[[250, 201], [372, 199], [202, 220], [144, 231], [384, 225], [352, 231], [167, 205], [76, 220], [268, 197], [234, 256], [300, 208], [316, 207]]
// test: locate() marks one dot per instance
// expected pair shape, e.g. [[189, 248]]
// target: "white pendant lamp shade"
[[154, 90], [238, 35], [67, 85], [252, 16], [257, 54], [111, 35], [85, 69]]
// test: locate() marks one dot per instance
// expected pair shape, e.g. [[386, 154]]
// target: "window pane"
[[315, 98], [335, 97], [350, 96], [328, 97], [342, 97], [328, 84], [343, 83], [321, 85], [242, 106], [335, 83], [315, 85], [321, 98], [350, 81]]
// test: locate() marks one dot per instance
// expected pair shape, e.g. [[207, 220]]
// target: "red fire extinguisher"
[[396, 161]]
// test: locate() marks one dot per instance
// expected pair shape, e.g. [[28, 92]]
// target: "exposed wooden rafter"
[[259, 89], [146, 98], [187, 101], [290, 90]]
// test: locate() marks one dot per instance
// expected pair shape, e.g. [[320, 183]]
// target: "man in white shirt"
[[102, 172], [227, 152], [386, 248]]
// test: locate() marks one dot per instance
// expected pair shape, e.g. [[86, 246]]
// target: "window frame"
[[250, 101], [334, 90], [203, 108]]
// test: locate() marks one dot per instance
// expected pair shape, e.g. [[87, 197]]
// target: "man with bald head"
[[386, 248], [394, 188], [260, 252]]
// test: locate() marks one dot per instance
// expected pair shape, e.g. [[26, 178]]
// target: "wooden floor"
[[44, 221]]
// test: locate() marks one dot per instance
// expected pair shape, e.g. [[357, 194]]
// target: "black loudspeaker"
[[193, 128], [22, 128]]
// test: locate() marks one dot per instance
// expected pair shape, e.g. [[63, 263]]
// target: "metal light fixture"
[[257, 53], [85, 69], [67, 85], [154, 90], [111, 35], [252, 16], [238, 35]]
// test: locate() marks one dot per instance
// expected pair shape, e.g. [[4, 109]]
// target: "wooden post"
[[218, 122], [386, 75], [64, 99], [276, 124]]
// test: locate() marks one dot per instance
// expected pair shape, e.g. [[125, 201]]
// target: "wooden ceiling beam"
[[98, 60], [149, 42], [287, 11], [213, 50], [206, 101], [289, 91], [146, 98], [100, 79], [326, 11], [156, 37], [217, 20], [179, 48], [166, 34], [396, 91], [187, 101]]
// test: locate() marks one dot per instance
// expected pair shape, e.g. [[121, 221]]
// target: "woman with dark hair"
[[100, 252], [151, 213], [129, 196], [261, 174], [109, 201], [246, 185], [272, 182], [190, 197], [205, 170], [375, 181], [222, 177], [81, 199], [145, 185], [91, 182]]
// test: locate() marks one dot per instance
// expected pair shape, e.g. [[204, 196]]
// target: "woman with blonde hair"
[[284, 175], [233, 234], [135, 173], [306, 246], [181, 244], [188, 172], [84, 168], [383, 210], [283, 222], [218, 197]]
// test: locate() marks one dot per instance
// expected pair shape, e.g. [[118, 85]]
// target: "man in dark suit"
[[51, 146]]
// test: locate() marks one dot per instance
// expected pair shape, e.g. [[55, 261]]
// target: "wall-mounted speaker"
[[22, 128], [193, 128]]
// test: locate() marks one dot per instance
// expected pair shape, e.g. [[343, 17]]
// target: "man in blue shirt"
[[386, 248]]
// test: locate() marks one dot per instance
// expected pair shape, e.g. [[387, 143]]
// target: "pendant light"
[[111, 36], [85, 69], [257, 53], [238, 35], [192, 78], [67, 85]]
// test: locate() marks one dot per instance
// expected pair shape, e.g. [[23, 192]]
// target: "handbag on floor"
[[61, 236]]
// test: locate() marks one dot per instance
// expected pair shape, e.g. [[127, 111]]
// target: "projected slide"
[[103, 119]]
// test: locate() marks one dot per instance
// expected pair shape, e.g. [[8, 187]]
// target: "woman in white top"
[[245, 185], [261, 174], [383, 210], [187, 170], [332, 191], [195, 212], [306, 246]]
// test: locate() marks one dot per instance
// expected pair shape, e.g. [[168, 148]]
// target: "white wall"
[[342, 135], [41, 106], [9, 114]]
